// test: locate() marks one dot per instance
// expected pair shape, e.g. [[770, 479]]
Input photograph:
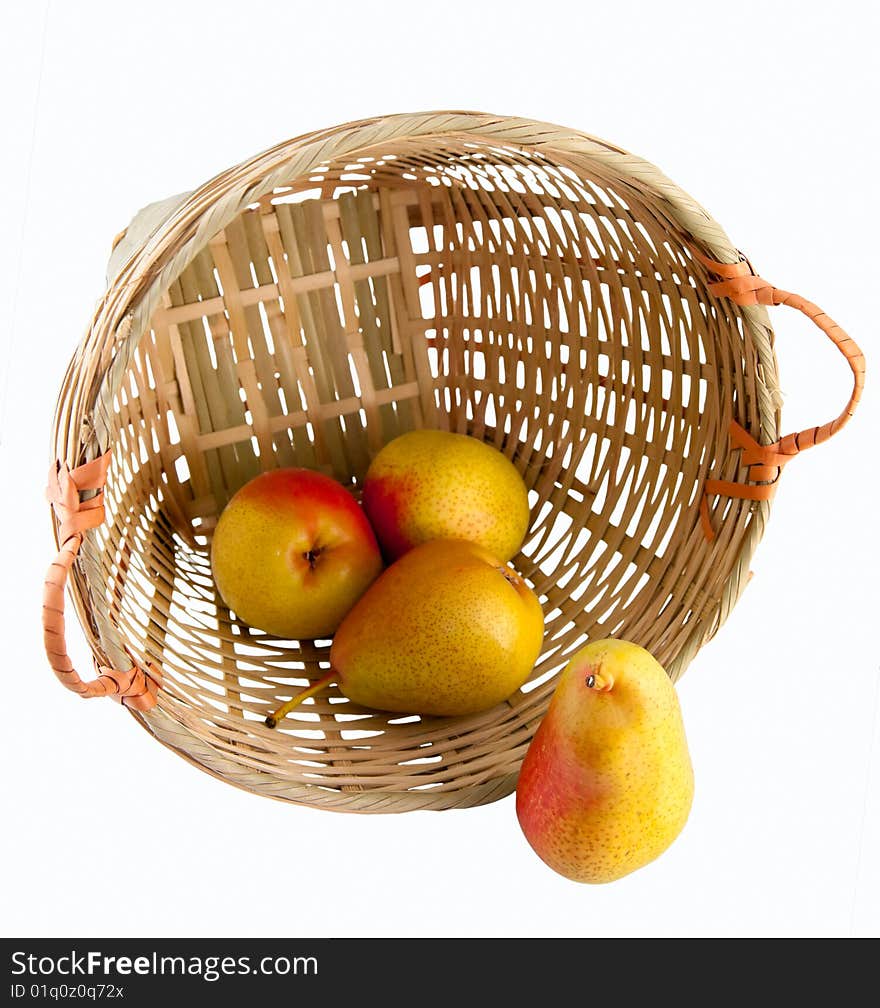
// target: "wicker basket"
[[514, 280]]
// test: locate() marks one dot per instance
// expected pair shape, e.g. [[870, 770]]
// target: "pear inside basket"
[[531, 296]]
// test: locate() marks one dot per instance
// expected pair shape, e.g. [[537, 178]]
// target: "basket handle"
[[791, 444], [136, 688], [739, 282]]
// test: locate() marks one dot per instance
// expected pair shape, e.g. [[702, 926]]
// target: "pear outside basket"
[[514, 280]]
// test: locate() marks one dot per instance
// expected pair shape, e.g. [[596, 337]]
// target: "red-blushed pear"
[[292, 553], [446, 630], [434, 484], [606, 784]]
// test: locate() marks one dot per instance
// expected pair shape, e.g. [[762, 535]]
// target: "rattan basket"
[[518, 281]]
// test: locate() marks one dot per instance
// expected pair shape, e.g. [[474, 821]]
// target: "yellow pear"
[[445, 630], [435, 484], [606, 784]]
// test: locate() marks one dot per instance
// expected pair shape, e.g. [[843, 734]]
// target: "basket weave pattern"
[[516, 281]]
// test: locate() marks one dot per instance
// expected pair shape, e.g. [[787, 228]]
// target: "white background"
[[766, 113]]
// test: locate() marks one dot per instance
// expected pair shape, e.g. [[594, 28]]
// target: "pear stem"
[[603, 681], [281, 713]]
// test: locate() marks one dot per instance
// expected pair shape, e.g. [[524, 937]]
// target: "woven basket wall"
[[516, 281]]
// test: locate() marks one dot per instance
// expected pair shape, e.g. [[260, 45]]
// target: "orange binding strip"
[[137, 687], [739, 282]]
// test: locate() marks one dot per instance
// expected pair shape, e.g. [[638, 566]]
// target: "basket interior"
[[521, 298]]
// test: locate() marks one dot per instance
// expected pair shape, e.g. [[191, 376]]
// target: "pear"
[[446, 630], [435, 484], [606, 784]]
